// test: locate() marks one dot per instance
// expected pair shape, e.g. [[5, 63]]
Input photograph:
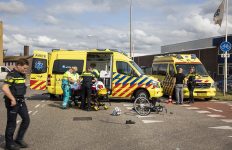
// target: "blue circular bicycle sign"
[[225, 46]]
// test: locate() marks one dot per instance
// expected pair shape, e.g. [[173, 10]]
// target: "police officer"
[[191, 82], [67, 79], [87, 81], [94, 70], [14, 89]]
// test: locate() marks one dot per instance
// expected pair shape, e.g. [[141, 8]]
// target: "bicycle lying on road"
[[144, 107]]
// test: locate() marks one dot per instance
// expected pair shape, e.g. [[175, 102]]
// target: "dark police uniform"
[[86, 89], [16, 82], [191, 85], [96, 73]]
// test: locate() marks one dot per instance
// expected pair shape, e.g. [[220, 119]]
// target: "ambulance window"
[[39, 66], [171, 70], [154, 68], [61, 66], [124, 68], [162, 69]]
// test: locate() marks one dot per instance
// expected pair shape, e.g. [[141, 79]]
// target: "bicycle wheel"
[[142, 106]]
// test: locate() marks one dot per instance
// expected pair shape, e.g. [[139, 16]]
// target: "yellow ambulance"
[[164, 66], [121, 75]]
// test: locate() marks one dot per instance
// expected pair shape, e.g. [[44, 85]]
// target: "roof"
[[15, 58], [200, 44]]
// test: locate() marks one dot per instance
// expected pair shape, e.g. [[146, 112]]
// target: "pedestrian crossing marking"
[[128, 105], [227, 120], [216, 116], [29, 112], [149, 116], [130, 108], [222, 127], [34, 113], [214, 109], [193, 108], [185, 105], [37, 106], [203, 112], [152, 121]]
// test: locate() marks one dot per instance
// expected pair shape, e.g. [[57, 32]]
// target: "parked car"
[[3, 72], [220, 84]]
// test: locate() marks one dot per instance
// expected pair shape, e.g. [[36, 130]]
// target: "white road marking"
[[193, 108], [42, 105], [27, 84], [37, 106], [18, 121], [34, 113], [222, 127], [216, 116], [130, 108], [230, 136], [152, 121], [214, 109], [29, 112], [43, 101], [128, 105], [185, 105], [222, 102], [203, 112], [227, 120], [149, 116], [213, 100]]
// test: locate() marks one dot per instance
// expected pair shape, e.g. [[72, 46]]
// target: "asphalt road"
[[201, 126]]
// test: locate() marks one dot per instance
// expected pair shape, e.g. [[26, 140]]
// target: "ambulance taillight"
[[49, 80]]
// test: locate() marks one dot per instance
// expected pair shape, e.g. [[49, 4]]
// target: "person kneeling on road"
[[87, 81]]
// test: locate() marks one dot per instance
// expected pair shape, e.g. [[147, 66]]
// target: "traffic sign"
[[225, 46]]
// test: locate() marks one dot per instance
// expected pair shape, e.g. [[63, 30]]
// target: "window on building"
[[221, 69], [8, 64]]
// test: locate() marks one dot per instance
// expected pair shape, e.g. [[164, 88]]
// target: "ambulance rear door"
[[39, 70]]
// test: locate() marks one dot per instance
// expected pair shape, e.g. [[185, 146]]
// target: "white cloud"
[[79, 7], [181, 33], [14, 7], [199, 24], [49, 19], [6, 39]]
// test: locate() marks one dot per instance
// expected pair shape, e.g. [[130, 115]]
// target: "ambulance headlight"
[[155, 84]]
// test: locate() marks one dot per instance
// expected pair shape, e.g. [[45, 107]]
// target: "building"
[[10, 61], [207, 50]]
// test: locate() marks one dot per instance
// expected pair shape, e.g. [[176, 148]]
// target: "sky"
[[88, 24]]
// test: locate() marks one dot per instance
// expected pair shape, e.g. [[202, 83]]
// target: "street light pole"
[[130, 27]]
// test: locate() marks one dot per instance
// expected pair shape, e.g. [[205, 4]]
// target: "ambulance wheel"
[[210, 98], [52, 96], [142, 106], [141, 93]]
